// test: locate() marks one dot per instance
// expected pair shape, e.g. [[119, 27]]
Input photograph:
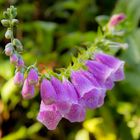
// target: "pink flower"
[[116, 19], [48, 94], [19, 78], [49, 115], [114, 63], [32, 76], [27, 90]]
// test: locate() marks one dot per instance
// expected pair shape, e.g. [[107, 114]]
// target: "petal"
[[33, 76], [101, 72], [101, 99], [70, 91], [62, 96], [47, 91], [76, 113], [18, 78], [81, 83], [114, 63], [27, 90], [49, 116], [90, 99]]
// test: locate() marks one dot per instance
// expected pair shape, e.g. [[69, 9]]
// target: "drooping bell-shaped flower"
[[27, 90], [112, 62], [49, 115], [77, 111], [62, 98], [14, 59], [116, 19], [48, 94], [100, 87], [101, 72], [33, 76], [88, 92], [19, 78]]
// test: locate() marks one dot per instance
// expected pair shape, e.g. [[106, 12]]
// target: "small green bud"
[[18, 44], [13, 11], [6, 15], [8, 34], [14, 22], [5, 22]]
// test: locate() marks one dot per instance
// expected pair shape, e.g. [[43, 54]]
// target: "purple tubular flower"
[[32, 76], [100, 87], [27, 90], [114, 63], [116, 19], [62, 97], [48, 94], [101, 72], [77, 111], [49, 115], [89, 93], [19, 78], [14, 59]]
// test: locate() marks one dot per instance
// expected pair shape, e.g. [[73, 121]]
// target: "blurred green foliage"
[[52, 30]]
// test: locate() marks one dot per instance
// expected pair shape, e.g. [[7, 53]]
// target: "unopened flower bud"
[[19, 78], [14, 59], [9, 49], [8, 34], [20, 63], [33, 76], [5, 22], [27, 90], [6, 14], [116, 19], [14, 22], [18, 45]]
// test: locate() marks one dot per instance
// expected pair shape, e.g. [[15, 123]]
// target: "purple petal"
[[62, 96], [88, 90], [114, 63], [101, 99], [90, 99], [49, 115], [101, 72], [27, 90], [76, 113], [33, 76], [101, 88], [81, 83], [47, 91], [19, 78], [70, 91]]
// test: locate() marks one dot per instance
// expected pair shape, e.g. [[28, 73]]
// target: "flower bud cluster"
[[13, 50]]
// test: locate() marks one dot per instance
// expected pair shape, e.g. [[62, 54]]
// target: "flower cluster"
[[86, 89], [13, 50], [69, 96]]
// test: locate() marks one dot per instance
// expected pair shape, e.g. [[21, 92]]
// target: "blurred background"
[[50, 31]]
